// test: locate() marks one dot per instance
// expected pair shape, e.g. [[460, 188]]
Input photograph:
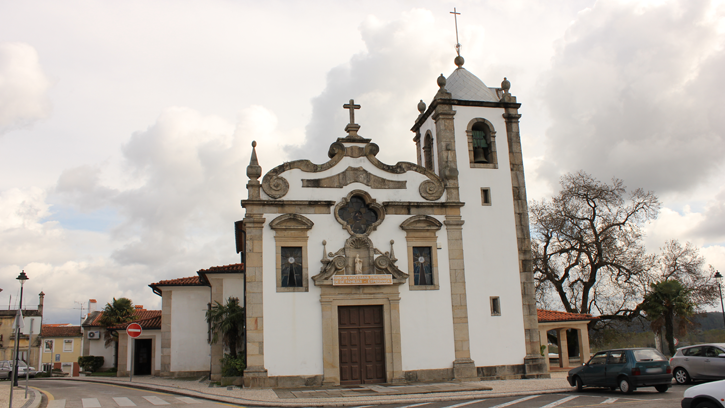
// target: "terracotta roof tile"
[[190, 281], [52, 330], [138, 315], [554, 316], [238, 267], [152, 321]]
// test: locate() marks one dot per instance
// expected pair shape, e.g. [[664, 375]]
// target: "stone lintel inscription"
[[350, 280], [354, 175]]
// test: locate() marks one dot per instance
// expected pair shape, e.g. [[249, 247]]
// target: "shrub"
[[232, 367], [90, 363]]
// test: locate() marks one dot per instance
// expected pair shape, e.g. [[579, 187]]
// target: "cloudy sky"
[[125, 127]]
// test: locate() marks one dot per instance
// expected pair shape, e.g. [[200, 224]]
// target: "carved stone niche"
[[343, 262]]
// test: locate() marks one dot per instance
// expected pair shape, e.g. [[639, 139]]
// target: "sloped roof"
[[55, 330], [554, 316], [137, 315], [190, 281], [465, 86], [238, 267], [151, 322]]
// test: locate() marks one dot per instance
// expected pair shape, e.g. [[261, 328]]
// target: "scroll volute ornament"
[[358, 213]]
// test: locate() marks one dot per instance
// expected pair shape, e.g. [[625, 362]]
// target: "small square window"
[[485, 196], [495, 306], [67, 345], [291, 267]]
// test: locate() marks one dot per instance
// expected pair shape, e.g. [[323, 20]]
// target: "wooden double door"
[[362, 344]]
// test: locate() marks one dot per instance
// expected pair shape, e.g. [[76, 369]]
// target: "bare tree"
[[587, 246], [685, 265]]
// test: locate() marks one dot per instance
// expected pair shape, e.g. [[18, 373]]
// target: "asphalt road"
[[644, 398], [72, 394], [76, 394]]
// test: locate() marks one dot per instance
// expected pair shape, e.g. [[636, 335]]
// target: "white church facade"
[[357, 271]]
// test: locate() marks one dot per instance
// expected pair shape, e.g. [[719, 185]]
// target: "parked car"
[[699, 362], [708, 395], [6, 367], [626, 369]]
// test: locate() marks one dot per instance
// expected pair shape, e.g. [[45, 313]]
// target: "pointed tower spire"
[[254, 170]]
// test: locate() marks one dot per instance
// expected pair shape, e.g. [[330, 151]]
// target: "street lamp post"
[[718, 277], [22, 278]]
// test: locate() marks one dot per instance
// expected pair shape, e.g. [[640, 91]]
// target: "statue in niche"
[[347, 260], [358, 265]]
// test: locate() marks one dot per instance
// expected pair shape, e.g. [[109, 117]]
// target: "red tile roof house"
[[185, 348], [561, 322], [149, 344], [61, 347]]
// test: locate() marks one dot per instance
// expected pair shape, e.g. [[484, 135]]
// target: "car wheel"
[[662, 387], [578, 383], [681, 376], [625, 386]]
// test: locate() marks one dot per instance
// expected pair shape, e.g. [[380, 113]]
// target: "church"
[[357, 271]]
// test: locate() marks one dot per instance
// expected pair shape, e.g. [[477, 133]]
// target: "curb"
[[34, 400], [369, 400]]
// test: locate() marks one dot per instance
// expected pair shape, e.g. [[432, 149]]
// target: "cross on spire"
[[351, 106], [455, 18]]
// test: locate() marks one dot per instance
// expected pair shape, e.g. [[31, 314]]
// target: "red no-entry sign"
[[133, 330]]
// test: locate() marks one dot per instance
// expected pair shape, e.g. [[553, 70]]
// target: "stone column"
[[534, 364], [464, 368], [255, 375], [584, 343], [563, 348], [122, 368], [166, 333]]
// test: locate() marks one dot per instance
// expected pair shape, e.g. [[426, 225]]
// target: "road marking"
[[156, 400], [124, 402], [188, 400], [91, 403], [56, 403], [609, 400], [463, 404], [559, 402], [506, 404], [416, 405]]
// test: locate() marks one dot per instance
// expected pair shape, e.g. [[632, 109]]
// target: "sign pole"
[[133, 354]]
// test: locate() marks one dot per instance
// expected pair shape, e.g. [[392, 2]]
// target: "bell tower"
[[469, 136]]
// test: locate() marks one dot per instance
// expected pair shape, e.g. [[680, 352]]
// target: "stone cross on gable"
[[351, 106]]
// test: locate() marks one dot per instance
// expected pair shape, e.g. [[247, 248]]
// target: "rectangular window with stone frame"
[[290, 236], [421, 236]]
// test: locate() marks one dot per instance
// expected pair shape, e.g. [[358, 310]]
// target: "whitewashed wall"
[[98, 348], [189, 348]]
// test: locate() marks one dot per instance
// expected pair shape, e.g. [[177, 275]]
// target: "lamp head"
[[22, 277], [718, 276]]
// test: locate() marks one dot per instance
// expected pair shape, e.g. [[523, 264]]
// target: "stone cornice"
[[460, 102]]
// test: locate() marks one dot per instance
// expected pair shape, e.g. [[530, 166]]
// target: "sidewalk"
[[19, 400], [342, 396]]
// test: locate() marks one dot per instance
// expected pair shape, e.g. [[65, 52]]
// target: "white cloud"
[[23, 87], [635, 93]]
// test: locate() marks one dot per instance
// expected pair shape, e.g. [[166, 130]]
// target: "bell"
[[479, 155]]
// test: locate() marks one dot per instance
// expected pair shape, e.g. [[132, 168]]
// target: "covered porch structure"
[[561, 322]]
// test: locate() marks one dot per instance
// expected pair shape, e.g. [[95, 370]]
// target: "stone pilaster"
[[122, 368], [464, 368], [446, 145], [255, 374], [166, 333], [534, 362]]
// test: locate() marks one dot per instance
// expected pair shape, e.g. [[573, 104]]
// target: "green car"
[[626, 369]]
